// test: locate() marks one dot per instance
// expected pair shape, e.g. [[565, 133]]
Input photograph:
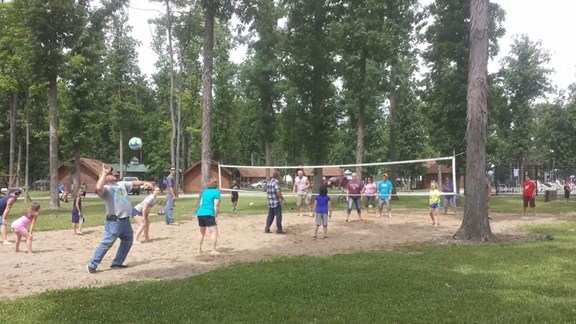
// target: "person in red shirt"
[[528, 193]]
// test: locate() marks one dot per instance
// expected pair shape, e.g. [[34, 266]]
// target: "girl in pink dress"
[[19, 226]]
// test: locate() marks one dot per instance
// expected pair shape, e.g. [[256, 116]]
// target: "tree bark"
[[171, 99], [392, 123], [475, 225], [13, 114], [27, 157], [208, 55], [53, 149], [121, 151], [361, 112]]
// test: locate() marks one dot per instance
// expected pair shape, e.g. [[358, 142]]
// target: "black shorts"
[[234, 197], [206, 221]]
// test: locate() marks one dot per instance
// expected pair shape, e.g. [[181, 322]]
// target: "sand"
[[59, 258]]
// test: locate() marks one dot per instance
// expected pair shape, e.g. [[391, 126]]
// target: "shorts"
[[76, 218], [303, 198], [1, 221], [449, 201], [381, 204], [434, 206], [206, 221], [529, 200], [18, 228], [234, 197], [321, 219], [135, 212]]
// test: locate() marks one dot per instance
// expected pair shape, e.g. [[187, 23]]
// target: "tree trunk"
[[361, 112], [53, 133], [121, 152], [208, 55], [475, 225], [171, 100], [392, 123], [27, 157], [13, 114]]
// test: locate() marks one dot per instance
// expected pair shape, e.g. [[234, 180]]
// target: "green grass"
[[94, 207], [502, 283], [525, 282]]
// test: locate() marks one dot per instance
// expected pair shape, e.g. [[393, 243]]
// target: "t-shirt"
[[434, 196], [300, 184], [448, 187], [384, 189], [206, 207], [117, 200], [354, 187], [272, 190], [370, 188], [169, 183], [322, 204], [150, 200], [529, 188], [234, 192]]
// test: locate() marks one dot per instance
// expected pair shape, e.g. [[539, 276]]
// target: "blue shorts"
[[434, 206], [1, 221]]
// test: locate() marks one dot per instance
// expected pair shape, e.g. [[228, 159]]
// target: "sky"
[[551, 22]]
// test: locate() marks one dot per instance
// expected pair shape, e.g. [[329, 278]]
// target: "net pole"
[[219, 176]]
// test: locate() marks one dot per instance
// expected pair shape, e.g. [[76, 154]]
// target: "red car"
[[339, 181]]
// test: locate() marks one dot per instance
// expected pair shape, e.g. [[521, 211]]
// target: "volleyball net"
[[409, 177]]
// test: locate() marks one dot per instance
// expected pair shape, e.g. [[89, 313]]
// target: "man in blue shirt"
[[384, 190], [449, 201]]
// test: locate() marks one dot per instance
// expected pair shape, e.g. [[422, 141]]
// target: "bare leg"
[[29, 242], [201, 238], [326, 231], [214, 237], [139, 230], [315, 231], [3, 231], [74, 228], [431, 212], [80, 225], [146, 229], [18, 238]]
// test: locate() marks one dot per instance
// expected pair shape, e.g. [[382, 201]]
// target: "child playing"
[[19, 226], [434, 202], [142, 213], [322, 211], [77, 214]]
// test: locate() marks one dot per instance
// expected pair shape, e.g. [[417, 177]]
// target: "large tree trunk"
[[361, 112], [392, 123], [76, 177], [27, 157], [208, 54], [475, 225], [53, 133], [13, 114], [171, 99]]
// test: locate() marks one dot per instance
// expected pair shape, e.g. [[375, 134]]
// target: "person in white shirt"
[[300, 188]]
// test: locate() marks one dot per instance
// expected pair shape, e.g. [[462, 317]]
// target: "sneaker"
[[118, 266], [90, 270], [7, 243], [266, 231], [281, 233], [172, 224]]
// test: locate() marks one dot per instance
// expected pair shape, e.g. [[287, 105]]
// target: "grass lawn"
[[522, 282]]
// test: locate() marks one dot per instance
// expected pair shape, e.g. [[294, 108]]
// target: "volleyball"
[[135, 143], [251, 204]]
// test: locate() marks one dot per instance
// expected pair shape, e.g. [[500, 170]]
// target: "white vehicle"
[[135, 190], [258, 185]]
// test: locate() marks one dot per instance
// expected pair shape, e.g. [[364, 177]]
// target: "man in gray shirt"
[[118, 212], [170, 197]]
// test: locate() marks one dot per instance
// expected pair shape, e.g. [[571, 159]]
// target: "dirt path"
[[60, 257]]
